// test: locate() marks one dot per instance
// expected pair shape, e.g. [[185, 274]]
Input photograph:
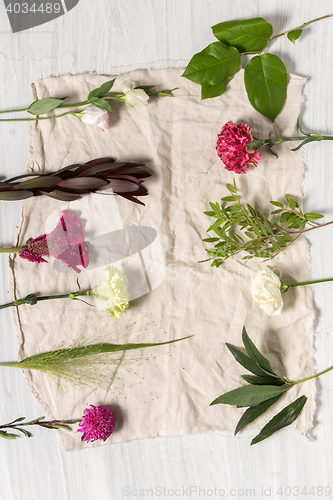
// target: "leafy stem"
[[270, 40], [241, 228], [49, 424], [264, 390], [32, 298]]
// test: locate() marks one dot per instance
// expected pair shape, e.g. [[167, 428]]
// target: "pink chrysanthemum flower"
[[97, 423], [65, 243], [231, 148]]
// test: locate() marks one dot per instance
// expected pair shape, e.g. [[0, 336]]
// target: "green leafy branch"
[[241, 228], [265, 389], [17, 425], [265, 75]]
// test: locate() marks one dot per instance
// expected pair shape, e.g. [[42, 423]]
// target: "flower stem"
[[313, 376], [295, 29], [41, 422], [309, 282], [35, 119], [11, 250], [33, 299]]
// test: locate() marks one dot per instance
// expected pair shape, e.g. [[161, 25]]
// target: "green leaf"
[[250, 395], [294, 35], [231, 189], [209, 91], [277, 204], [251, 210], [5, 435], [210, 240], [265, 79], [247, 36], [16, 420], [312, 216], [101, 104], [284, 216], [268, 380], [214, 226], [254, 353], [246, 361], [44, 106], [15, 195], [24, 431], [103, 89], [229, 198], [292, 203], [286, 236], [213, 65], [281, 420], [254, 412]]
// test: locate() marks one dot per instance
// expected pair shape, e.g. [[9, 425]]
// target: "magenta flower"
[[65, 243], [232, 148], [97, 423]]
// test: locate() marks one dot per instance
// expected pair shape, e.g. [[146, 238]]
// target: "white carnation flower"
[[113, 291], [266, 290]]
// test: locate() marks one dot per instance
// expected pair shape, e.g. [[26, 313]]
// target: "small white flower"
[[132, 96], [266, 290], [96, 117], [113, 291]]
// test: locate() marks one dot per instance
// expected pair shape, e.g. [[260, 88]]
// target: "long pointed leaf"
[[254, 412], [250, 395], [254, 353], [245, 361], [281, 420], [268, 380]]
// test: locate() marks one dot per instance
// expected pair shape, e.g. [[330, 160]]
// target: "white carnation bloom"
[[113, 291], [266, 290]]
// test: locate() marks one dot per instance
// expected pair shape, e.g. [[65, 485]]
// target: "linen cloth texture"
[[165, 390]]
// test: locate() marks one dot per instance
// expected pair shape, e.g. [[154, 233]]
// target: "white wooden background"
[[109, 37]]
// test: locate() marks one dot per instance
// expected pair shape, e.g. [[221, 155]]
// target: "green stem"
[[33, 299], [11, 250], [313, 376], [35, 119], [41, 422], [295, 29], [14, 110], [309, 282]]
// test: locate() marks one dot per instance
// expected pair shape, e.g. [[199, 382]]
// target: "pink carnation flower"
[[97, 423], [231, 148], [65, 243]]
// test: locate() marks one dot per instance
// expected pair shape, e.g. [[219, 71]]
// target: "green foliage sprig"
[[265, 389], [17, 424], [241, 228], [265, 75]]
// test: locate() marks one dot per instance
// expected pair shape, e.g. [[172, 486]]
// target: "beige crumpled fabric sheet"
[[166, 390]]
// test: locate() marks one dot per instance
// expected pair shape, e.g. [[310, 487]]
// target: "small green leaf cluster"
[[241, 228], [265, 75], [265, 389]]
